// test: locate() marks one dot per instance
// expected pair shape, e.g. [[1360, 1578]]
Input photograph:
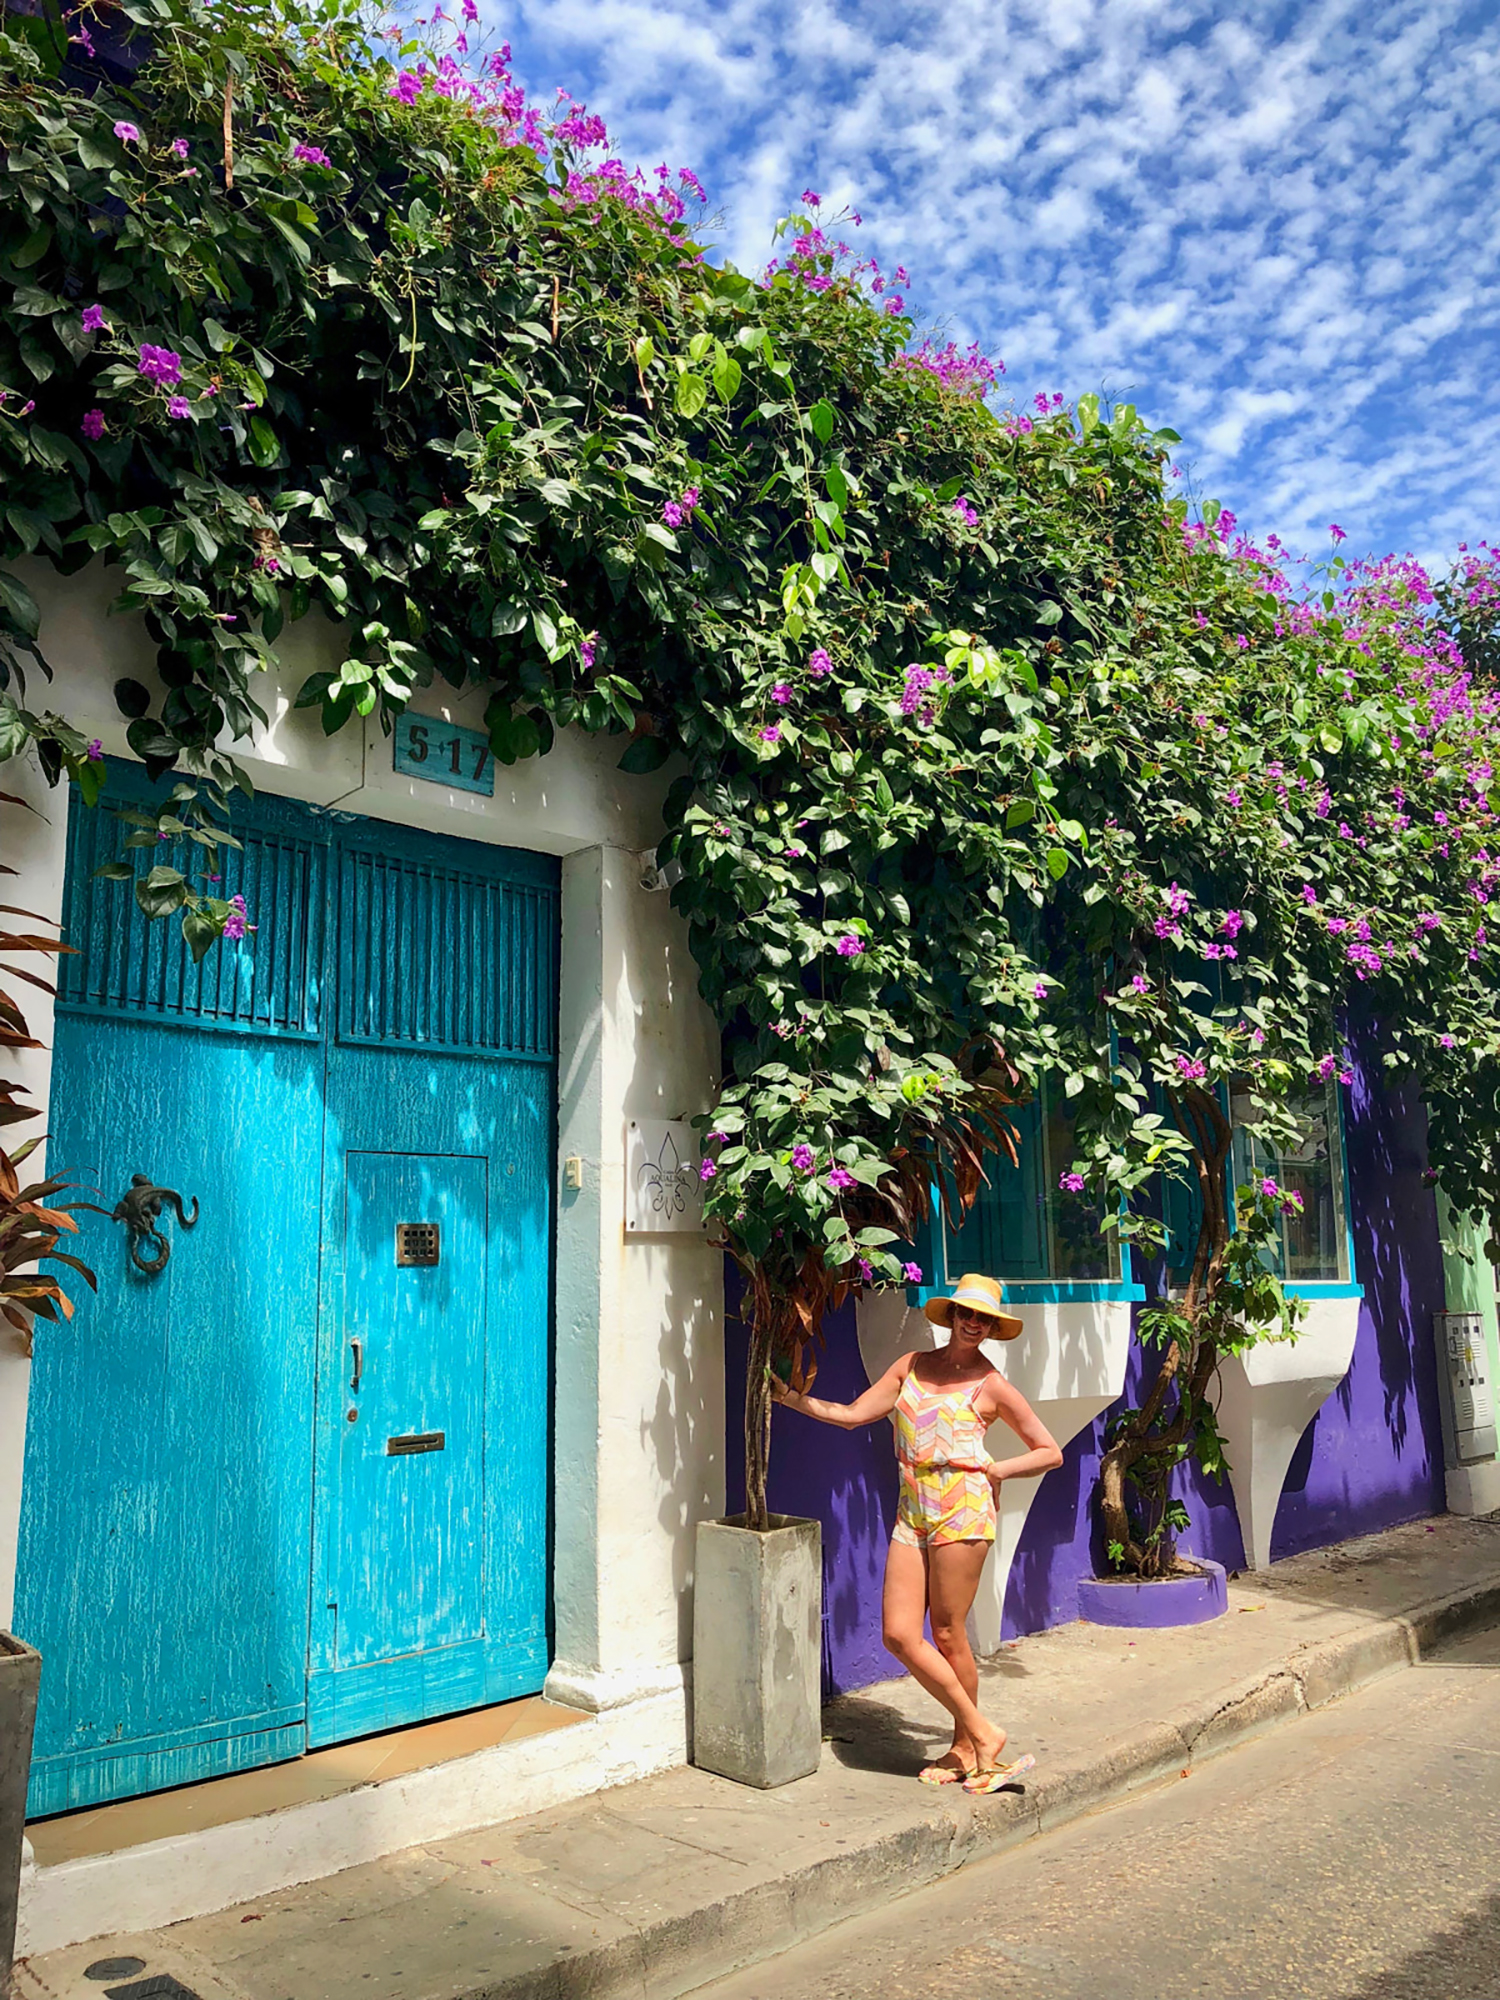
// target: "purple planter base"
[[1172, 1600]]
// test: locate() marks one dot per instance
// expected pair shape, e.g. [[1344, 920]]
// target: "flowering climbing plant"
[[994, 764]]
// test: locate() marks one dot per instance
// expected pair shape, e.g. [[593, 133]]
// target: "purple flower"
[[771, 733], [690, 498], [180, 148], [314, 156], [93, 320], [1190, 1070], [126, 133], [717, 1138], [1233, 924], [782, 692], [1326, 1067], [160, 365], [1039, 991], [672, 514], [1448, 1041], [803, 1157], [849, 946], [179, 407], [1232, 798], [965, 512], [586, 652], [1309, 894], [1269, 1189], [1346, 832], [93, 425], [1071, 1183], [95, 751], [235, 925], [407, 88], [866, 1269], [818, 663], [812, 199], [1336, 531], [912, 1273], [1140, 984], [841, 1178], [708, 1171]]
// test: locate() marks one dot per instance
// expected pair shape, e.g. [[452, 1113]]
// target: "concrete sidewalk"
[[657, 1887]]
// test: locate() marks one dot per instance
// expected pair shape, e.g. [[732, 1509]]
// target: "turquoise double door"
[[292, 1487]]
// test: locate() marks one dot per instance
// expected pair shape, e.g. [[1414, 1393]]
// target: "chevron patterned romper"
[[946, 1495]]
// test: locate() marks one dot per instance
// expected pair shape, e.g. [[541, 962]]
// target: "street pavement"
[[648, 1890], [1353, 1857]]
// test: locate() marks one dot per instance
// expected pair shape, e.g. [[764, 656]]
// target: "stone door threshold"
[[320, 1774], [148, 1862]]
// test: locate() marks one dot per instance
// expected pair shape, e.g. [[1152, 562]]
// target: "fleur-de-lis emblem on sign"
[[668, 1182]]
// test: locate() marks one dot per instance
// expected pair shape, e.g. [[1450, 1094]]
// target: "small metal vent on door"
[[417, 1242]]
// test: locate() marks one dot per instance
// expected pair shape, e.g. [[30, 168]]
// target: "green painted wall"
[[1468, 1278]]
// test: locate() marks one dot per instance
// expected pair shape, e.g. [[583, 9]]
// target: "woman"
[[943, 1402]]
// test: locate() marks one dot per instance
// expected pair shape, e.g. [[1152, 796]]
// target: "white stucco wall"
[[639, 1401]]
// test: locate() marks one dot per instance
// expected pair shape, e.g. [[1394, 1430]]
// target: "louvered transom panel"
[[442, 958], [125, 964]]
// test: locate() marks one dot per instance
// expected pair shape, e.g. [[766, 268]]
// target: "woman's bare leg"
[[953, 1572], [904, 1610]]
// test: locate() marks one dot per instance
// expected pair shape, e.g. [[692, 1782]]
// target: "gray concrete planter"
[[20, 1670], [757, 1650]]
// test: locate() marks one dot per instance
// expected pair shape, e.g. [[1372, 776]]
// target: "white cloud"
[[1272, 229]]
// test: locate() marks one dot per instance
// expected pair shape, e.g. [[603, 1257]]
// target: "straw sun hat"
[[981, 1295]]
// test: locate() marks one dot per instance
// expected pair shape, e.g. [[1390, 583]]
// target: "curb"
[[683, 1953]]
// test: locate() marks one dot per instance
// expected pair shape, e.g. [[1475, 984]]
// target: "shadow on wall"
[[845, 1479], [1373, 1455]]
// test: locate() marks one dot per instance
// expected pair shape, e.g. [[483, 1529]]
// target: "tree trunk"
[[758, 1417]]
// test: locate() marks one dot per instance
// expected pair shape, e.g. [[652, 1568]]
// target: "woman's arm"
[[1043, 1453], [877, 1401]]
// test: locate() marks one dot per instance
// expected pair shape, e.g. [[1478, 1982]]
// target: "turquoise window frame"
[[932, 1249]]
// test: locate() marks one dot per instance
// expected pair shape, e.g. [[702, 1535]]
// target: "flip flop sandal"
[[941, 1774], [980, 1783]]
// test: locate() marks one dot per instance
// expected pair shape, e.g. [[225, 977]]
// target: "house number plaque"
[[444, 754]]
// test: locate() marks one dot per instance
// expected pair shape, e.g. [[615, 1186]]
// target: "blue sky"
[[1276, 228]]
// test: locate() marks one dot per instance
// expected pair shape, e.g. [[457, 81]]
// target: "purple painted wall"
[[1370, 1458], [846, 1478]]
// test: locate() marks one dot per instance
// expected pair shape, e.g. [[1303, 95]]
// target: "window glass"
[[1022, 1226], [1313, 1246]]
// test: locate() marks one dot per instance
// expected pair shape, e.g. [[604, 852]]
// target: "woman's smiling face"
[[970, 1326]]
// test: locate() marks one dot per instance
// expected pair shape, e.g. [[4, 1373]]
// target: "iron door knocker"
[[139, 1209]]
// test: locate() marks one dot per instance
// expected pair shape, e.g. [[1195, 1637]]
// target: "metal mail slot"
[[415, 1441]]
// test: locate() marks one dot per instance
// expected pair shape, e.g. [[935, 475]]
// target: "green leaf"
[[114, 871], [264, 446], [692, 394], [727, 377], [17, 605], [820, 416], [33, 249], [1088, 413], [646, 753], [506, 618], [1057, 863], [38, 361], [161, 892]]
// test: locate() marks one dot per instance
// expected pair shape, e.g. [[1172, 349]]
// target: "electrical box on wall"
[[1465, 1389]]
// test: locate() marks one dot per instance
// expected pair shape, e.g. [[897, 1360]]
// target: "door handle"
[[359, 1361]]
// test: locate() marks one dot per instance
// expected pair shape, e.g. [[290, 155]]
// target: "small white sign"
[[663, 1191]]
